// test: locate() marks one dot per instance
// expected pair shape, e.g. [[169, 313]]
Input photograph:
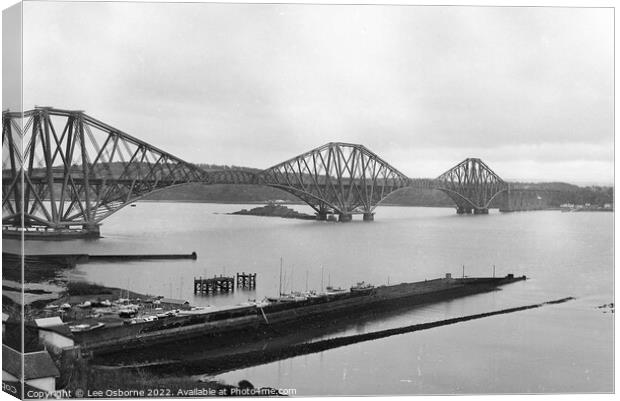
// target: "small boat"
[[85, 327], [85, 304], [362, 287], [197, 310], [282, 298], [79, 327], [332, 290], [162, 315], [128, 311], [133, 205]]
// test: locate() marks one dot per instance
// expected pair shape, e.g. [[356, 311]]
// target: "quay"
[[277, 314], [192, 256], [70, 260]]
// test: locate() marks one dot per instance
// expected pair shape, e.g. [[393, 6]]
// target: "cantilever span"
[[74, 171], [337, 178], [472, 185]]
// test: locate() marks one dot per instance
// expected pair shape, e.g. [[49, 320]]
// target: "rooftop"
[[49, 321], [54, 324]]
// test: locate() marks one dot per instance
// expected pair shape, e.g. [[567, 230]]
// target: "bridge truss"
[[65, 171], [74, 170], [472, 185], [337, 178]]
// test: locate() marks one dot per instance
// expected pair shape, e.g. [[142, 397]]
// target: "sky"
[[528, 90]]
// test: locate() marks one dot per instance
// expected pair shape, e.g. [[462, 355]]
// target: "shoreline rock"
[[273, 210]]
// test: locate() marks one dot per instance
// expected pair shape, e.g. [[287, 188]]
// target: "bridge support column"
[[369, 216], [481, 211], [345, 217], [464, 210]]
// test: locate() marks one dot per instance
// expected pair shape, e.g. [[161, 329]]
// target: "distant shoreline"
[[264, 203]]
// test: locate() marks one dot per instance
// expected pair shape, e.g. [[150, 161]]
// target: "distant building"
[[39, 368], [54, 334], [607, 205]]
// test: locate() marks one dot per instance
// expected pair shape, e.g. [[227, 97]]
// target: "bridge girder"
[[338, 177], [75, 170]]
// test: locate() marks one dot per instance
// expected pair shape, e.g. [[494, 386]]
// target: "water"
[[559, 348]]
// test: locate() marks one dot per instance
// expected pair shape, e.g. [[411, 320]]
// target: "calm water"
[[561, 348]]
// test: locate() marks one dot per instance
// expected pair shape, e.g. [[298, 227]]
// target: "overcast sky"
[[528, 90]]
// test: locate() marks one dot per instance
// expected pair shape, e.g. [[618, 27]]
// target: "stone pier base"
[[369, 216], [93, 230], [481, 211], [464, 210], [345, 217]]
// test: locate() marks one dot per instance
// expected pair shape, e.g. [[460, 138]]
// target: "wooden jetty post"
[[213, 285], [224, 284], [246, 280]]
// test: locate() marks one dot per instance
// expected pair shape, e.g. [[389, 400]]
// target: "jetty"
[[213, 285], [72, 259], [223, 284], [246, 280]]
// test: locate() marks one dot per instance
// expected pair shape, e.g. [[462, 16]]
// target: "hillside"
[[558, 193]]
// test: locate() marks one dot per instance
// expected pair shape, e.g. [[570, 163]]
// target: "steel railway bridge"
[[74, 171]]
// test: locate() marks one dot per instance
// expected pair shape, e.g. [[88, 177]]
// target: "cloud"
[[256, 84]]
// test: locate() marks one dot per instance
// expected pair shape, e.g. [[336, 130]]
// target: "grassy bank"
[[78, 375]]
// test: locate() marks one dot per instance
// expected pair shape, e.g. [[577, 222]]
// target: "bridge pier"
[[321, 216], [93, 230], [481, 211], [369, 217], [345, 217], [464, 210]]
